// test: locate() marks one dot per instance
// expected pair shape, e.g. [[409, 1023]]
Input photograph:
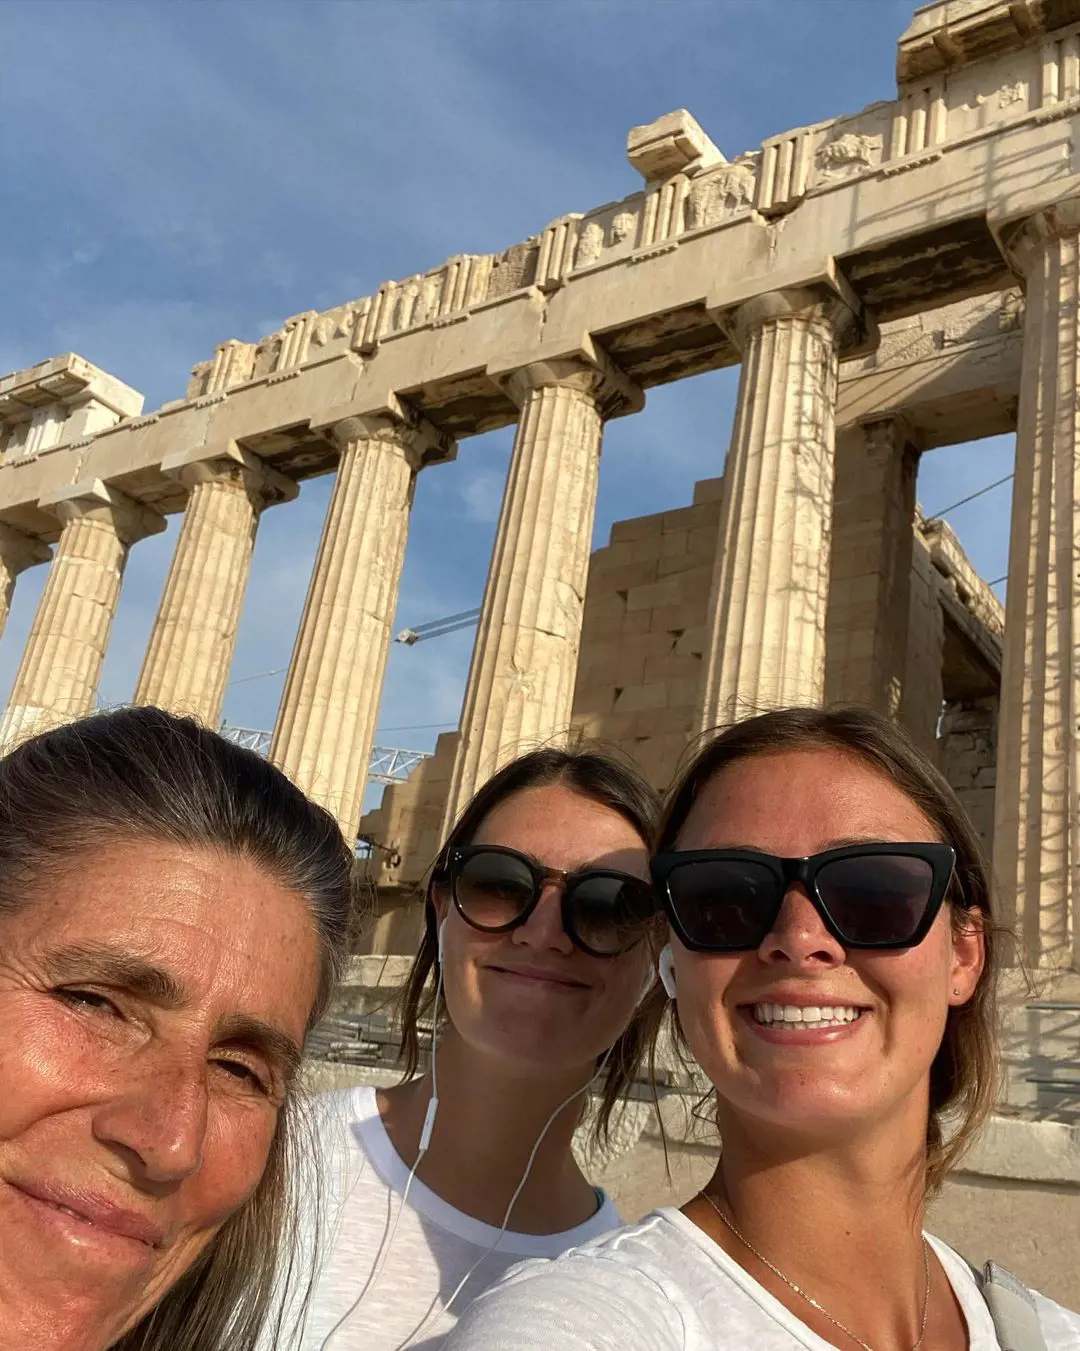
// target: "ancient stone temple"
[[889, 282]]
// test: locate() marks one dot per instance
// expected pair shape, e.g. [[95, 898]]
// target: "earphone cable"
[[438, 1313], [382, 1256]]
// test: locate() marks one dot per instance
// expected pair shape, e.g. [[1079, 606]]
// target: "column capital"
[[93, 499], [19, 551], [589, 371], [797, 302], [888, 432], [1023, 240], [421, 443], [232, 464]]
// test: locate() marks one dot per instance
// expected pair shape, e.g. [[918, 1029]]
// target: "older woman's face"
[[819, 1081], [153, 1001]]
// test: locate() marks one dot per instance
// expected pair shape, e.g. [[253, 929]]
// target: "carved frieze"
[[427, 302], [266, 354], [721, 193], [407, 297], [200, 374], [623, 226], [513, 269], [336, 323], [848, 155], [590, 244]]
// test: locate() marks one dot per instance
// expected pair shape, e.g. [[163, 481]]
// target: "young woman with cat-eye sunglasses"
[[832, 965]]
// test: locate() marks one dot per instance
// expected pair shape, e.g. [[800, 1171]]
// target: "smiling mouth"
[[539, 977], [101, 1217], [804, 1015]]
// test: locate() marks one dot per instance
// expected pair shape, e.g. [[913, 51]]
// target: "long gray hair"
[[143, 774]]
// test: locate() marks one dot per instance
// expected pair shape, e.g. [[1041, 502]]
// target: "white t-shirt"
[[664, 1285], [433, 1247]]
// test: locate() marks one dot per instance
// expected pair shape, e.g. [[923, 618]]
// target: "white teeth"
[[818, 1016]]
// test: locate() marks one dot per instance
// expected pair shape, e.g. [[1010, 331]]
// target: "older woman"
[[833, 954], [172, 919]]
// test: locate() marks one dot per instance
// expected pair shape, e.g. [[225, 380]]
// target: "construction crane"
[[435, 628], [388, 764]]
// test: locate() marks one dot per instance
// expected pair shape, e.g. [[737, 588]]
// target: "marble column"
[[1037, 797], [58, 675], [326, 723], [766, 642], [191, 646], [18, 551], [521, 682], [870, 576]]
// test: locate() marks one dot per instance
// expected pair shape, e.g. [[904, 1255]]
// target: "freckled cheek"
[[48, 1064], [234, 1158]]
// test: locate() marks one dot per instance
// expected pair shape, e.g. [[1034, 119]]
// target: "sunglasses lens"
[[724, 904], [493, 889], [876, 899], [610, 913]]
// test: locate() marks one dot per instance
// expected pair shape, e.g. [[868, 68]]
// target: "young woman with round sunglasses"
[[537, 954], [833, 958]]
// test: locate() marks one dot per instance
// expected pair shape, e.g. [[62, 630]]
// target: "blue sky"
[[179, 173]]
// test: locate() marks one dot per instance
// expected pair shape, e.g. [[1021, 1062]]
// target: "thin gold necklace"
[[809, 1298]]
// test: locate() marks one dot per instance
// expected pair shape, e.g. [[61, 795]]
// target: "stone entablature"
[[904, 216], [58, 401]]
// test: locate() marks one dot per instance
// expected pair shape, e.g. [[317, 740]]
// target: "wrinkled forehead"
[[184, 928]]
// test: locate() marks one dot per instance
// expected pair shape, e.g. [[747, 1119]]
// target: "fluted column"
[[58, 675], [326, 723], [870, 577], [766, 645], [18, 551], [1037, 798], [191, 646], [521, 682]]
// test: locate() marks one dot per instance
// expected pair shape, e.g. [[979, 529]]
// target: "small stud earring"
[[956, 992]]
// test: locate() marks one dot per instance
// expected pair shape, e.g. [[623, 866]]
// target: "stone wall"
[[644, 631], [968, 755]]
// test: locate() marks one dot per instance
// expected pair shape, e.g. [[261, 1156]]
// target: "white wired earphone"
[[425, 1141], [665, 969]]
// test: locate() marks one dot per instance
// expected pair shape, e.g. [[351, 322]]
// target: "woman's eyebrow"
[[115, 966], [279, 1049], [845, 841]]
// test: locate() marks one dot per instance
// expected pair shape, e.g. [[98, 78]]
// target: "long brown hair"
[[142, 774], [594, 773], [965, 1072]]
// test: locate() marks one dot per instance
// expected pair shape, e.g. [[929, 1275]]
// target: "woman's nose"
[[799, 936], [157, 1119], [544, 927]]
